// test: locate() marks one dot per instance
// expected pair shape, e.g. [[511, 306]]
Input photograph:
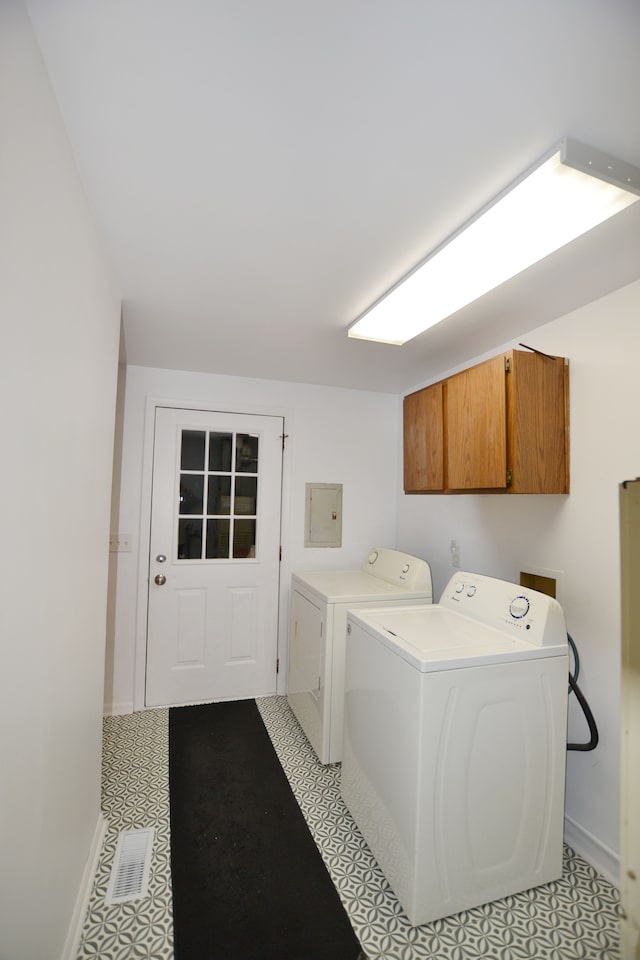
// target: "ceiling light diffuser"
[[571, 190]]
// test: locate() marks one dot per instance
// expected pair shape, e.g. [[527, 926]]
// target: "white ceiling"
[[263, 170]]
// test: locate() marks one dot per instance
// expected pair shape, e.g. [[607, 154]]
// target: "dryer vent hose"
[[592, 743]]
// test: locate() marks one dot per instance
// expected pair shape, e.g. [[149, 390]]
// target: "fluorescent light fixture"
[[571, 190]]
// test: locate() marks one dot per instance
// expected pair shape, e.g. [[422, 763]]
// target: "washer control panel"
[[519, 607], [507, 607]]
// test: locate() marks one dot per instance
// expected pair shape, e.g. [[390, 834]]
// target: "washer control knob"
[[405, 569], [373, 556], [519, 607], [459, 587], [471, 592]]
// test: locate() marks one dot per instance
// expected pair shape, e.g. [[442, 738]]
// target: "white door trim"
[[144, 534]]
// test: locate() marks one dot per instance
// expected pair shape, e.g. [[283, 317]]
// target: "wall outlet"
[[455, 553], [119, 542]]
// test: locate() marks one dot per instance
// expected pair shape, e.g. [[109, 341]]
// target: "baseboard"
[[601, 858], [72, 943], [117, 709]]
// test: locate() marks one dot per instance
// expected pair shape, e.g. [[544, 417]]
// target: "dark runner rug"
[[248, 880]]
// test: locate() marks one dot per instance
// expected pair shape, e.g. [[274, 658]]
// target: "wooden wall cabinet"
[[501, 426], [423, 440]]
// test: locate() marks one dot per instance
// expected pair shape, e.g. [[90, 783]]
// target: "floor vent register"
[[131, 866]]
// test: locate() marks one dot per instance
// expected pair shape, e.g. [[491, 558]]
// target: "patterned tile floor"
[[135, 793], [575, 918]]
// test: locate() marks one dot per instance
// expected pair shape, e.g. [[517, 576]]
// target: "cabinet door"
[[537, 423], [476, 431], [423, 440]]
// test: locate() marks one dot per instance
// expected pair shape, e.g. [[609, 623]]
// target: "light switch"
[[119, 542]]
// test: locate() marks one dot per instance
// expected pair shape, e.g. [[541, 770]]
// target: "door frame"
[[144, 534]]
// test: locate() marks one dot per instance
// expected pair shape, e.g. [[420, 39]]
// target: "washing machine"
[[455, 731], [319, 603]]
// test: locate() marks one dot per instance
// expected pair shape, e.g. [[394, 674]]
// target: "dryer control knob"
[[373, 556], [459, 587], [405, 569]]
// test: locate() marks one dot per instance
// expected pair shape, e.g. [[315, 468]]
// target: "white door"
[[214, 557]]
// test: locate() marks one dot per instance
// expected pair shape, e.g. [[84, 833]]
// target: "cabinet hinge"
[[278, 665], [285, 437], [509, 478], [507, 364]]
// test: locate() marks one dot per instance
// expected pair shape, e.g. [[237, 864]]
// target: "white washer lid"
[[432, 638]]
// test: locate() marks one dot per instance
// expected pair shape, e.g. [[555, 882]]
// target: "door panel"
[[214, 558]]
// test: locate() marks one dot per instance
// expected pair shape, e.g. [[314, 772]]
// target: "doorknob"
[[160, 579], [161, 558]]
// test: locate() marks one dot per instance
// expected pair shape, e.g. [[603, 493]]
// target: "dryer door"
[[305, 666]]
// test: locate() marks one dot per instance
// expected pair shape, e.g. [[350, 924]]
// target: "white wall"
[[335, 436], [58, 366], [577, 534]]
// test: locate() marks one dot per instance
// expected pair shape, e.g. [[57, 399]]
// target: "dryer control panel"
[[518, 611], [400, 569]]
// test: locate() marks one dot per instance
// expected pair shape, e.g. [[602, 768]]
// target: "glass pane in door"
[[246, 495], [219, 496], [218, 539], [191, 493], [246, 453], [244, 539], [189, 539], [220, 447], [192, 450]]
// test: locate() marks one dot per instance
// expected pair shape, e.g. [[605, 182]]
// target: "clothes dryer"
[[319, 603], [455, 743]]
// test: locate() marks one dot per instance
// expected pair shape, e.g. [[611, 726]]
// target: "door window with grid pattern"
[[218, 500]]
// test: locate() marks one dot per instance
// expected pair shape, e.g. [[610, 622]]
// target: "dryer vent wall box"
[[323, 515]]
